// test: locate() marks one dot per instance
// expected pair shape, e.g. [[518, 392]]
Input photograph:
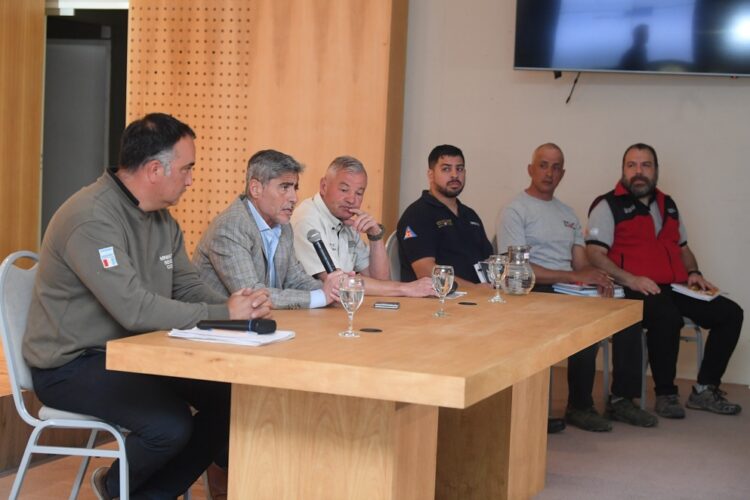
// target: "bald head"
[[546, 171], [545, 147]]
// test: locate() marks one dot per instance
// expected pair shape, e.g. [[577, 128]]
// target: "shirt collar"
[[122, 187], [431, 200], [330, 220], [263, 226]]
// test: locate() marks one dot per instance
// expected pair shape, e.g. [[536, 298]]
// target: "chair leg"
[[644, 368], [24, 465], [698, 349], [605, 369], [124, 472], [83, 467]]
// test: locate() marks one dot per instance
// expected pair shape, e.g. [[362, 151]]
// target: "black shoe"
[[588, 420], [555, 425], [624, 410]]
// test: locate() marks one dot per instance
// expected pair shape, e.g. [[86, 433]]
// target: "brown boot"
[[217, 479]]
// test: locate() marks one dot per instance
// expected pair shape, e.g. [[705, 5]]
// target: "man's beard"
[[448, 193], [647, 189]]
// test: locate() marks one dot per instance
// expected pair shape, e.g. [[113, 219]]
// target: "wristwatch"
[[378, 236]]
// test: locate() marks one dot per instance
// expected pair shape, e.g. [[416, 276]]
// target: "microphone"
[[259, 326], [313, 236]]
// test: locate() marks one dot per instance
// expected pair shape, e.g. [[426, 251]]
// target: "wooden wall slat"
[[312, 78], [22, 39]]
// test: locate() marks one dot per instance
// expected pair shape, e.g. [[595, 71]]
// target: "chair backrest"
[[16, 287], [391, 248]]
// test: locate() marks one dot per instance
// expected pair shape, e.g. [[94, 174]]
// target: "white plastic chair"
[[391, 248], [16, 285]]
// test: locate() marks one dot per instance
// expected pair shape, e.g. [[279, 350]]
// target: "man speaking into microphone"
[[249, 245], [335, 214]]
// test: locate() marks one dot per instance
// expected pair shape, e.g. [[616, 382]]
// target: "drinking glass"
[[442, 282], [351, 294], [495, 266]]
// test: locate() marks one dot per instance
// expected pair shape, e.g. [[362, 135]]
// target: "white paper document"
[[707, 295], [232, 336], [584, 290]]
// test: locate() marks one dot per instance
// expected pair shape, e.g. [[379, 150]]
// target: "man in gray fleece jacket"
[[113, 264]]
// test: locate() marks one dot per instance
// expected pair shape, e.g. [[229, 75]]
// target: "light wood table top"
[[451, 362]]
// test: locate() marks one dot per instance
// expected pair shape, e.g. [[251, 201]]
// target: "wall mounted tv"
[[650, 36]]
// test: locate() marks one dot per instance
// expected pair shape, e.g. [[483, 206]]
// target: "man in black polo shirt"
[[438, 228]]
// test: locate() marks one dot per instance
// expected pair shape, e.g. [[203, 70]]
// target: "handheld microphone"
[[313, 236], [259, 326]]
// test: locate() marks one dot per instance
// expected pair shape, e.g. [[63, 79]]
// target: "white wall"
[[461, 89]]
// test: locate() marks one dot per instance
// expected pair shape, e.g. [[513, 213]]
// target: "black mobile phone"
[[386, 305]]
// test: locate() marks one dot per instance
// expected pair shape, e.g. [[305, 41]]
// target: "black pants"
[[626, 365], [168, 446], [662, 318]]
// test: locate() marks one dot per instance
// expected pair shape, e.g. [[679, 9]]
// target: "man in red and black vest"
[[637, 236]]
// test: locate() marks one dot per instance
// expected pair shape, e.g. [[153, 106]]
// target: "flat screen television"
[[649, 36]]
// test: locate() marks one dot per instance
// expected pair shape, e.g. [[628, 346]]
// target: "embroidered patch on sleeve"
[[107, 256], [409, 233]]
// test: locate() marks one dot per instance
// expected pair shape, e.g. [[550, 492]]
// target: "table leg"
[[292, 444], [496, 448]]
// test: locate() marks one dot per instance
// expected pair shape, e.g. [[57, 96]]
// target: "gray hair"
[[269, 164], [348, 163], [164, 157]]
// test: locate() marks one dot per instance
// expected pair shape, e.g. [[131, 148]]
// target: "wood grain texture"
[[479, 351], [312, 78], [315, 446], [22, 40], [321, 406]]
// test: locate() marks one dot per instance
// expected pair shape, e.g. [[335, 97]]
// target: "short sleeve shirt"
[[428, 228], [348, 251], [551, 228]]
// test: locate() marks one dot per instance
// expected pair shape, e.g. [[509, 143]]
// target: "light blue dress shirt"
[[271, 236]]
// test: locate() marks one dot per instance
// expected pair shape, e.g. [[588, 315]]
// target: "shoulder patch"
[[409, 233], [107, 256]]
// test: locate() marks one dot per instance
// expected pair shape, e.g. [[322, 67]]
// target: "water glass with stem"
[[351, 294], [442, 282], [495, 266]]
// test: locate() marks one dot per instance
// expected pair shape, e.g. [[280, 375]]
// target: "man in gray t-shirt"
[[536, 218]]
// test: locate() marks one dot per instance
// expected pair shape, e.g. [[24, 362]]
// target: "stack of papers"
[[232, 336], [584, 290], [699, 294]]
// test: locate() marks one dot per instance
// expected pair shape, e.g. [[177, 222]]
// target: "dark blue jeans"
[[177, 426]]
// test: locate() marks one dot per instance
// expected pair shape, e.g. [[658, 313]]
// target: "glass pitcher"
[[518, 276]]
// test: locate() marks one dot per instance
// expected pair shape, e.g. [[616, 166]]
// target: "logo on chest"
[[167, 260], [443, 223], [569, 224]]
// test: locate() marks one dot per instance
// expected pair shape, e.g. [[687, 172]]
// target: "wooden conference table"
[[429, 408]]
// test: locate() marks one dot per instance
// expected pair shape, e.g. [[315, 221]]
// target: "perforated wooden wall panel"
[[312, 78]]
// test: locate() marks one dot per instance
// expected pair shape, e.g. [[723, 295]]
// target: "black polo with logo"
[[428, 228]]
